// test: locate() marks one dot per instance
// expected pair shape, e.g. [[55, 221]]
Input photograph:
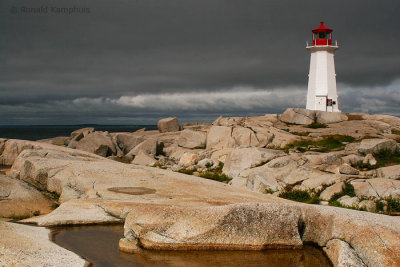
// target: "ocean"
[[36, 132]]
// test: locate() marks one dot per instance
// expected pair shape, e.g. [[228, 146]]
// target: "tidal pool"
[[99, 245]]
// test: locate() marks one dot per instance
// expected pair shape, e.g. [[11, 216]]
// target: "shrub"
[[216, 174], [159, 165], [395, 131], [380, 206], [300, 196], [269, 191], [186, 171], [383, 158], [220, 177], [19, 217], [327, 143], [300, 133], [387, 157], [316, 125], [55, 196], [393, 205]]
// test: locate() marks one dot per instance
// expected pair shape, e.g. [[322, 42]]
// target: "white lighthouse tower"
[[322, 93]]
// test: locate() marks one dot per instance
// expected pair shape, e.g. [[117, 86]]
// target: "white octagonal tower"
[[322, 93]]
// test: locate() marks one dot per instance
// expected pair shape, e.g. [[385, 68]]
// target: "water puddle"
[[132, 190], [99, 245]]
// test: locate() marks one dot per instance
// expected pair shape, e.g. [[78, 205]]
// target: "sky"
[[136, 61]]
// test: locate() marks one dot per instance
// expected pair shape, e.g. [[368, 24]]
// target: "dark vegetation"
[[354, 117], [269, 191], [24, 216], [393, 205], [186, 171], [383, 157], [300, 196], [216, 174], [395, 131], [54, 195], [20, 217], [312, 197], [300, 133], [316, 125], [327, 143], [347, 190]]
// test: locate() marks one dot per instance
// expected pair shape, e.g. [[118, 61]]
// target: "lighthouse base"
[[323, 103]]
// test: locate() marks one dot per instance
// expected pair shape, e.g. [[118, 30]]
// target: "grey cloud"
[[200, 106], [150, 47]]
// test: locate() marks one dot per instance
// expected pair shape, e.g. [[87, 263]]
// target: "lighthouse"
[[322, 93]]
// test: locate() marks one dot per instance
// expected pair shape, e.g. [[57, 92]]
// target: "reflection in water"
[[99, 245]]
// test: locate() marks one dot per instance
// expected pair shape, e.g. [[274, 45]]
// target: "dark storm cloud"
[[98, 66]]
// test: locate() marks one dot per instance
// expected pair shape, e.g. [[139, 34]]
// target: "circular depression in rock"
[[132, 190]]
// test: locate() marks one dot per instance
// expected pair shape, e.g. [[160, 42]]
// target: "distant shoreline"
[[37, 132]]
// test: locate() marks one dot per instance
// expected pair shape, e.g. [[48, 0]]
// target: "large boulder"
[[192, 139], [127, 141], [384, 187], [219, 137], [347, 169], [99, 143], [341, 254], [370, 146], [168, 125], [245, 137], [148, 146], [367, 238], [12, 148], [188, 159], [243, 158], [298, 116], [391, 120], [306, 116], [329, 117], [364, 189], [376, 187], [391, 172], [348, 201], [374, 238], [80, 133], [238, 226], [144, 159], [328, 193], [290, 170], [220, 155], [18, 199]]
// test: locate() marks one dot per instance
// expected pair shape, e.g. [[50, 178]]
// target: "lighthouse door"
[[320, 103]]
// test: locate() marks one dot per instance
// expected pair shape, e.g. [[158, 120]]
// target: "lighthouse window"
[[322, 35], [328, 36]]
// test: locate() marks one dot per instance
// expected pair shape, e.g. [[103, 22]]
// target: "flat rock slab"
[[22, 245], [75, 212]]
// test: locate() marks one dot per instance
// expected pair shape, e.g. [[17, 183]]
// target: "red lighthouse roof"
[[322, 28]]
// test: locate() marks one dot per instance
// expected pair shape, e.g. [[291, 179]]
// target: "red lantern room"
[[322, 35]]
